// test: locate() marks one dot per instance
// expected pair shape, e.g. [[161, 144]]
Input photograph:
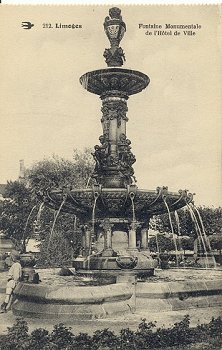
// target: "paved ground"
[[132, 320]]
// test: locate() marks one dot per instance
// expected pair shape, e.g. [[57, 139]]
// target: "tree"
[[15, 211], [186, 243], [184, 226], [23, 203], [161, 242], [59, 173], [55, 252], [216, 242], [211, 219], [60, 245]]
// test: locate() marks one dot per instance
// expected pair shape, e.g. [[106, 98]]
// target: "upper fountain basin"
[[118, 202], [114, 81]]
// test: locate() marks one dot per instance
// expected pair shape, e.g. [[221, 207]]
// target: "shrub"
[[17, 337], [215, 327], [39, 339], [82, 341], [145, 337], [61, 336], [104, 339], [181, 332], [179, 337], [127, 339]]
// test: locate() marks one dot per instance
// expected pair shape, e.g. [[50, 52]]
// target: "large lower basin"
[[71, 303]]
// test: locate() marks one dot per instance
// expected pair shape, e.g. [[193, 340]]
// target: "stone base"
[[173, 296], [126, 277], [106, 261], [66, 313], [73, 303]]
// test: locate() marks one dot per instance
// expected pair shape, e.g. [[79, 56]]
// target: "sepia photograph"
[[110, 177]]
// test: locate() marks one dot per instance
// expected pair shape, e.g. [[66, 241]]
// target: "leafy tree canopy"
[[161, 243], [14, 211], [216, 241], [59, 172], [211, 218], [19, 214]]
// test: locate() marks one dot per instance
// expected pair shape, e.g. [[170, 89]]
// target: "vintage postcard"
[[110, 176]]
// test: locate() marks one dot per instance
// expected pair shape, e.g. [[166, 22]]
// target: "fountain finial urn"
[[115, 29]]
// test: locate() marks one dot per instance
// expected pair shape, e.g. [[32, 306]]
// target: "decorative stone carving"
[[106, 225], [126, 158], [127, 262], [107, 228], [114, 28], [124, 150], [112, 110], [114, 203], [114, 59], [114, 158], [114, 82], [134, 225]]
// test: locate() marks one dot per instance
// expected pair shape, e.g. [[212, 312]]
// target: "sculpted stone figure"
[[115, 58], [104, 144]]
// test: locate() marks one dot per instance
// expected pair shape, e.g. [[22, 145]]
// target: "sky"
[[174, 125]]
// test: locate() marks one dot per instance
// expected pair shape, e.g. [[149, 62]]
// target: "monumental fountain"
[[113, 203]]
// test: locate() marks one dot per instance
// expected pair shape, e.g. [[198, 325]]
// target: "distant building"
[[21, 170], [2, 191], [20, 178]]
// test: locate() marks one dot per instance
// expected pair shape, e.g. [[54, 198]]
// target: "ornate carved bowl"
[[127, 262], [27, 260], [117, 202], [114, 82]]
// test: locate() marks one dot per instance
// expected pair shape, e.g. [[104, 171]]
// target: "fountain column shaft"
[[113, 136], [88, 238], [132, 235], [107, 228], [114, 158], [109, 239], [122, 128], [83, 242], [132, 239], [144, 238]]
